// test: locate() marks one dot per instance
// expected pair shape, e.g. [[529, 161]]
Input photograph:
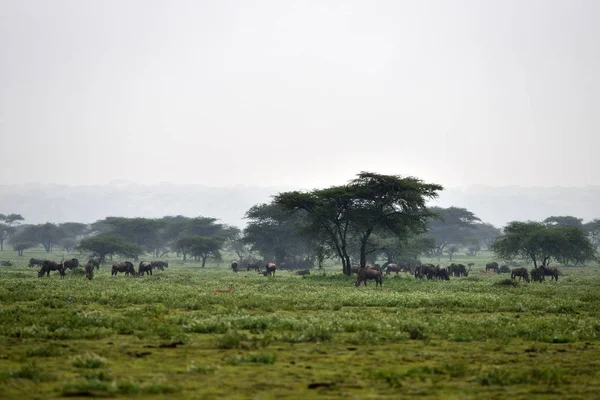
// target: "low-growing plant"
[[88, 360]]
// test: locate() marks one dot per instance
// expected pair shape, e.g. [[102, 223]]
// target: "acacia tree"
[[202, 247], [370, 202], [104, 245], [452, 228], [540, 243], [274, 233], [7, 223]]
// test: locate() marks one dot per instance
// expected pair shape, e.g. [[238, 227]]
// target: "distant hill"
[[60, 203]]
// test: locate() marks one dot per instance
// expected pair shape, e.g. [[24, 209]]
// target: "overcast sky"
[[303, 93]]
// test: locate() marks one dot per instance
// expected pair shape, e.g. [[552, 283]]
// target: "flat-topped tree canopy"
[[350, 213]]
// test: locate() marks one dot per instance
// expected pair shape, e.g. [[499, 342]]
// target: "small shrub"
[[230, 340], [44, 351], [202, 369], [89, 360], [391, 378], [33, 373]]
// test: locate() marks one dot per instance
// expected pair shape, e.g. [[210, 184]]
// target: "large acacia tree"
[[352, 212], [540, 243]]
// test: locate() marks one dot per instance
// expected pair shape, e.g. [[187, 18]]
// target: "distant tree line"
[[371, 217]]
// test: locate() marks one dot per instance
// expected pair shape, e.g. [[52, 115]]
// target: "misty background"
[[230, 101]]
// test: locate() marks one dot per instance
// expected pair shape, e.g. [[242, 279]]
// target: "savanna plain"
[[170, 335]]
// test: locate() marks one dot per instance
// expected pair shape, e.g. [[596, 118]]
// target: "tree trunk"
[[203, 261], [1, 244], [20, 252]]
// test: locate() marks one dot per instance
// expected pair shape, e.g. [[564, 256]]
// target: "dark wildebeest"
[[354, 269], [34, 261], [521, 273], [549, 271], [124, 266], [369, 273], [89, 271], [493, 266], [375, 267], [537, 275], [425, 270], [234, 266], [504, 269], [270, 269], [458, 270], [70, 264], [303, 272], [160, 265], [441, 272], [145, 268], [253, 266], [48, 266], [392, 268], [93, 263]]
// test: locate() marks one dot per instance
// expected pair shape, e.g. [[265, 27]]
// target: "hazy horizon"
[[305, 94]]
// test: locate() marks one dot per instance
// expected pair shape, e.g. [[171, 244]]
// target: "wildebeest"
[[253, 266], [145, 268], [89, 271], [303, 272], [35, 261], [521, 273], [354, 269], [270, 269], [537, 275], [92, 262], [48, 266], [457, 270], [367, 273], [392, 268], [124, 266], [549, 271], [492, 266], [441, 272], [375, 267], [504, 269], [425, 270], [70, 264], [160, 265], [234, 266]]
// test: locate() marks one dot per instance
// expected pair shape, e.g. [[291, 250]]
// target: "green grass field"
[[170, 336]]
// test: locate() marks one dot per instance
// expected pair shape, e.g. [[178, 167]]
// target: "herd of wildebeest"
[[144, 268], [367, 272]]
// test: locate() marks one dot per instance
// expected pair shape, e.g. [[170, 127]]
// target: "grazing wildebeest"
[[521, 273], [354, 269], [441, 272], [425, 270], [93, 263], [270, 269], [234, 266], [549, 271], [254, 266], [458, 270], [124, 266], [48, 266], [89, 271], [145, 268], [368, 273], [34, 261], [392, 268], [375, 267], [493, 266], [160, 265], [537, 275], [70, 264], [504, 269], [303, 272]]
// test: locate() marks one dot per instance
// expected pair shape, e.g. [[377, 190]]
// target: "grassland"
[[169, 336]]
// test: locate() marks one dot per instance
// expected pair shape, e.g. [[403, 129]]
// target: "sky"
[[301, 93]]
